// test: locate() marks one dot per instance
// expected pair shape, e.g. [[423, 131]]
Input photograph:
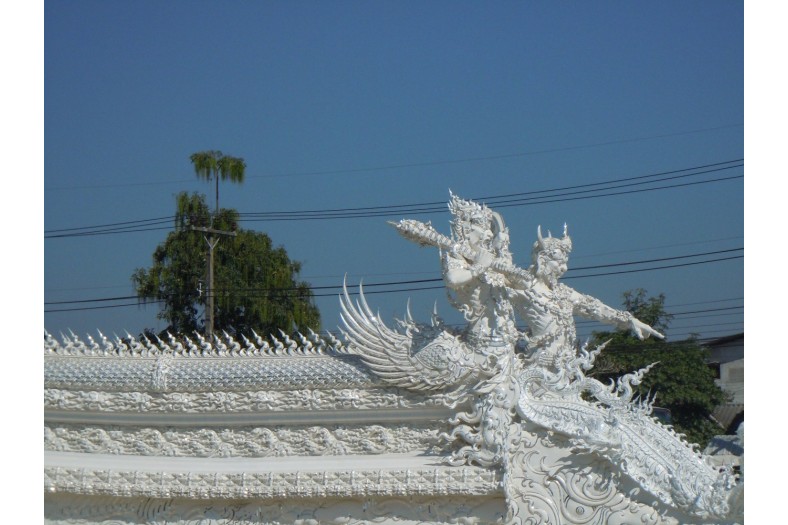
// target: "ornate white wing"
[[423, 358]]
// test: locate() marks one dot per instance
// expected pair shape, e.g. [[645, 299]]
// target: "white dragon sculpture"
[[572, 449]]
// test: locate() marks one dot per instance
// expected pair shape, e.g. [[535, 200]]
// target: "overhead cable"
[[499, 201]]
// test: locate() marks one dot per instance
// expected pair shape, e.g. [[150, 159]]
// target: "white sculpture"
[[425, 424], [572, 449]]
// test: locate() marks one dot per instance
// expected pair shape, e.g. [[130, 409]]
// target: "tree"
[[683, 381], [256, 285], [214, 165], [207, 165]]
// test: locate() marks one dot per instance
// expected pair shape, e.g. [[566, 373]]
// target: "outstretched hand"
[[642, 330]]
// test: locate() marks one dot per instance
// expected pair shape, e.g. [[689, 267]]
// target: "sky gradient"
[[364, 104]]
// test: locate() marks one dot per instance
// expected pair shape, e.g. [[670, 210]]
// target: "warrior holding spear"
[[488, 288]]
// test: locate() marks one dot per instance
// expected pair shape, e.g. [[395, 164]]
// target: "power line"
[[659, 247], [658, 260], [137, 222], [673, 341], [656, 268], [422, 211], [686, 184], [688, 333], [681, 316], [706, 316], [503, 201], [706, 325], [245, 292], [488, 199], [85, 288], [709, 310], [627, 184], [575, 257], [103, 299], [708, 302], [432, 205], [440, 279], [274, 292], [88, 234], [671, 331], [269, 217], [101, 307]]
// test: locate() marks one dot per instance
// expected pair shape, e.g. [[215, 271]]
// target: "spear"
[[425, 235]]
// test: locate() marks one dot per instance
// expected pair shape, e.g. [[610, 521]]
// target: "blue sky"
[[361, 104]]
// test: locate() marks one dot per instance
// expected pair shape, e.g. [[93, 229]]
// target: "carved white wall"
[[425, 423]]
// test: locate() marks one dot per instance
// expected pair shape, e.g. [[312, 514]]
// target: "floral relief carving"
[[537, 377], [532, 439], [242, 441], [470, 481], [255, 401]]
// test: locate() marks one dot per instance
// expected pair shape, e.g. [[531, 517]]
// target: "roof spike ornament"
[[569, 448]]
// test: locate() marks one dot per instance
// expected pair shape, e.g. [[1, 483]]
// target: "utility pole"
[[212, 241]]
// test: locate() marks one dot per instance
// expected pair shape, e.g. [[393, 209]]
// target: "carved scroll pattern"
[[622, 431], [241, 441], [254, 401], [546, 483]]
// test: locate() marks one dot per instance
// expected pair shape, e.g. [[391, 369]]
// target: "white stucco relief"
[[543, 389], [425, 423]]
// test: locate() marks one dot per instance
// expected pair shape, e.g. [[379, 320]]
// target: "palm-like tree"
[[215, 165]]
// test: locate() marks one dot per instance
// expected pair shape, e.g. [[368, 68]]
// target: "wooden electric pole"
[[212, 241]]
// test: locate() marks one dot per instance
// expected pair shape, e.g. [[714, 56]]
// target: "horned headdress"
[[550, 243]]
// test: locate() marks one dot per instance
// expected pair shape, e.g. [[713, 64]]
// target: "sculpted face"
[[551, 262], [479, 233], [556, 263]]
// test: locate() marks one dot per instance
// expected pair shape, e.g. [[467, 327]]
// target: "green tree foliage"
[[216, 166], [682, 380], [257, 285]]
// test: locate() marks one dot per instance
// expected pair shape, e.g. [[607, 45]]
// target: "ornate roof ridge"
[[185, 347]]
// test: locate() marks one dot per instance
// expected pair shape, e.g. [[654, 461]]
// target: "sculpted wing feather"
[[391, 354]]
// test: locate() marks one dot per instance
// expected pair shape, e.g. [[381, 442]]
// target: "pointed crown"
[[465, 212]]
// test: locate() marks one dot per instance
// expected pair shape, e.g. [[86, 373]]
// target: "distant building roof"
[[725, 414], [724, 340]]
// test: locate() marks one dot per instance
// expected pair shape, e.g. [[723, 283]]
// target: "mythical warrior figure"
[[548, 307], [526, 406], [488, 297], [479, 292]]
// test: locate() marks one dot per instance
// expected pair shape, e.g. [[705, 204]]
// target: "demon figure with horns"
[[571, 449]]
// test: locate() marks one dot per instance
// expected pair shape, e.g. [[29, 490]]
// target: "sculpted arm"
[[457, 270], [592, 308]]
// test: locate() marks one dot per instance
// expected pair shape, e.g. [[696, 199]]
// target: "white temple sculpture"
[[422, 424]]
